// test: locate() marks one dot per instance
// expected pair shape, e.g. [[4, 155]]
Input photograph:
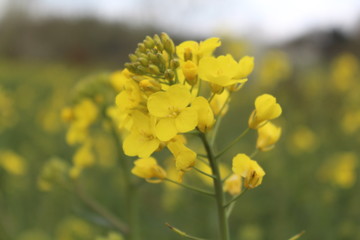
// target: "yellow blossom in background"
[[195, 50], [266, 108], [73, 228], [85, 113], [33, 234], [219, 104], [274, 67], [233, 184], [205, 114], [84, 156], [8, 116], [303, 139], [82, 116], [224, 70], [350, 122], [344, 71], [173, 113], [111, 236], [53, 172], [148, 169], [268, 135], [340, 170], [12, 162], [248, 169], [184, 156], [142, 140]]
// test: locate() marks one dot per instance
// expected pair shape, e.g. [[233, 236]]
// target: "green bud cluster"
[[155, 57]]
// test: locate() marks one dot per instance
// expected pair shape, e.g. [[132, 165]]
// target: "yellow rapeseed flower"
[[233, 184], [142, 140], [148, 169], [195, 51], [219, 103], [224, 71], [266, 109], [248, 169], [268, 135], [184, 156], [205, 114], [190, 71], [173, 112]]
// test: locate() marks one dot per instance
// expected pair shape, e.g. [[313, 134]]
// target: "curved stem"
[[232, 143], [204, 173], [219, 193], [235, 198], [256, 151], [99, 209], [191, 188]]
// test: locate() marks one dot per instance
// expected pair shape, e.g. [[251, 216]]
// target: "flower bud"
[[190, 70], [149, 42]]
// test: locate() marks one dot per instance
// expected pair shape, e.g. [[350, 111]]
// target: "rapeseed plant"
[[170, 93]]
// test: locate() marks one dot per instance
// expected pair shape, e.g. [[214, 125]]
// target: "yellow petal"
[[179, 96], [165, 129], [159, 104], [186, 120]]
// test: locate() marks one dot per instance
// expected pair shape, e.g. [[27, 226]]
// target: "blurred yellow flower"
[[12, 162], [268, 135], [248, 169], [340, 169], [84, 156], [111, 236], [148, 169], [53, 172], [141, 141], [344, 71], [303, 139], [266, 109], [173, 113], [233, 184]]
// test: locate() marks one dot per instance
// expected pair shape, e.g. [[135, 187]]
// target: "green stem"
[[219, 193], [218, 121], [191, 188], [256, 151], [99, 209], [204, 173], [235, 198], [130, 190], [232, 143]]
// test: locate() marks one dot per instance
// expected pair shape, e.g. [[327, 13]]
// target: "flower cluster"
[[167, 93]]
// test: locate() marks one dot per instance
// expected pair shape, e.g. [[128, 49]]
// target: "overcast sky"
[[273, 20]]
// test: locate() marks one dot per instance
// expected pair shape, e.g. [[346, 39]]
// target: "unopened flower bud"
[[150, 85], [188, 54], [158, 42], [154, 69], [190, 71], [133, 57], [144, 61], [141, 47], [174, 63], [149, 42], [169, 74]]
